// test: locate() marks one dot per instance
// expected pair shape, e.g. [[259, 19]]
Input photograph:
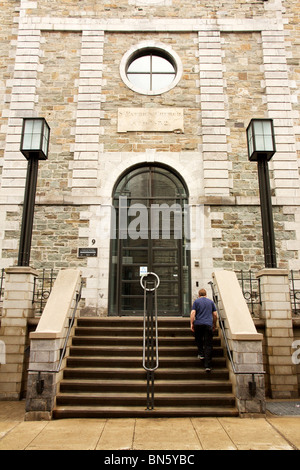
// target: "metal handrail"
[[2, 278], [156, 335], [252, 385], [40, 382], [294, 294], [150, 341]]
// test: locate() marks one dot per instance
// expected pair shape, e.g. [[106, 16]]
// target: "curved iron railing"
[[42, 289], [295, 292], [250, 286]]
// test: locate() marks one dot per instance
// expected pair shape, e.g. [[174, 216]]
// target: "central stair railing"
[[150, 334]]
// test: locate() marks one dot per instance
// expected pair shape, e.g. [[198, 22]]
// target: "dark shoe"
[[208, 369]]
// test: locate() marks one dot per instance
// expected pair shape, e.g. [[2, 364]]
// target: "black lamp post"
[[34, 146], [261, 148]]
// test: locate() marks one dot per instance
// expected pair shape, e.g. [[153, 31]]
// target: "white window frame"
[[151, 46]]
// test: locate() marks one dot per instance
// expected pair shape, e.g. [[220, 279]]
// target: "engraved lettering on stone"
[[150, 120]]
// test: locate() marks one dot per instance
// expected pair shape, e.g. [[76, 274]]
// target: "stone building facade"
[[69, 62]]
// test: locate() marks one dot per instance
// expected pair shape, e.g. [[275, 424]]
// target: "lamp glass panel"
[[260, 143], [268, 142], [45, 140], [35, 142], [263, 136], [32, 134], [258, 128], [267, 128], [37, 126], [27, 141], [29, 123], [250, 140], [28, 128]]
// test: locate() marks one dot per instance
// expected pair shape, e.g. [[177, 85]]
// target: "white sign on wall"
[[143, 270]]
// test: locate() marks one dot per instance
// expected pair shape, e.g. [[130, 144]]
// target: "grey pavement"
[[280, 431]]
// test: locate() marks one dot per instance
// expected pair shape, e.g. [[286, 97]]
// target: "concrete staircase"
[[105, 378]]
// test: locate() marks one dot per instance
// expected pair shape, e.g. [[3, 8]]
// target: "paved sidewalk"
[[182, 434]]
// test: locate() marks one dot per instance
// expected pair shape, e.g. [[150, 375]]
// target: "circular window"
[[151, 70]]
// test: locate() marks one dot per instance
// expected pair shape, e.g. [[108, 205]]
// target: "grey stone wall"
[[61, 60], [140, 9]]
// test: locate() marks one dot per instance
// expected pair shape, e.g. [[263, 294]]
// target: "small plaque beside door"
[[87, 252]]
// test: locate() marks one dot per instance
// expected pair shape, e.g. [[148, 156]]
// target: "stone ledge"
[[21, 270], [246, 337], [273, 272], [206, 26], [46, 335]]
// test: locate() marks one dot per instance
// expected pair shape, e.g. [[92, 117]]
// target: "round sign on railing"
[[147, 288]]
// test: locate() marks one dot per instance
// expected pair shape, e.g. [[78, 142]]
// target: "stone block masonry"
[[280, 108], [245, 344], [117, 95], [17, 308], [57, 101], [276, 309], [240, 237], [64, 64], [240, 60], [88, 129], [141, 9], [52, 336], [213, 115], [55, 239]]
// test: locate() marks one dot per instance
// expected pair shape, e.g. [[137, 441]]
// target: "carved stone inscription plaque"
[[150, 120]]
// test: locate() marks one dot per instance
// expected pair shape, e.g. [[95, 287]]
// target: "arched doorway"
[[150, 225]]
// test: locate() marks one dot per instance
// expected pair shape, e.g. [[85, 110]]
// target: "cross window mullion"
[[151, 70]]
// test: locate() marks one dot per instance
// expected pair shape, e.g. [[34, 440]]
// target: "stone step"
[[137, 341], [133, 399], [138, 386], [116, 373], [64, 412], [136, 361], [131, 351], [104, 376]]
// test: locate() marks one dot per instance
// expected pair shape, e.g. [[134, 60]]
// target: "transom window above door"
[[151, 70]]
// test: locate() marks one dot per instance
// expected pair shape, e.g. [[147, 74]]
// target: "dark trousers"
[[204, 341]]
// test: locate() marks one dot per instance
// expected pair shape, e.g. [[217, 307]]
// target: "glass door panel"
[[149, 204]]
